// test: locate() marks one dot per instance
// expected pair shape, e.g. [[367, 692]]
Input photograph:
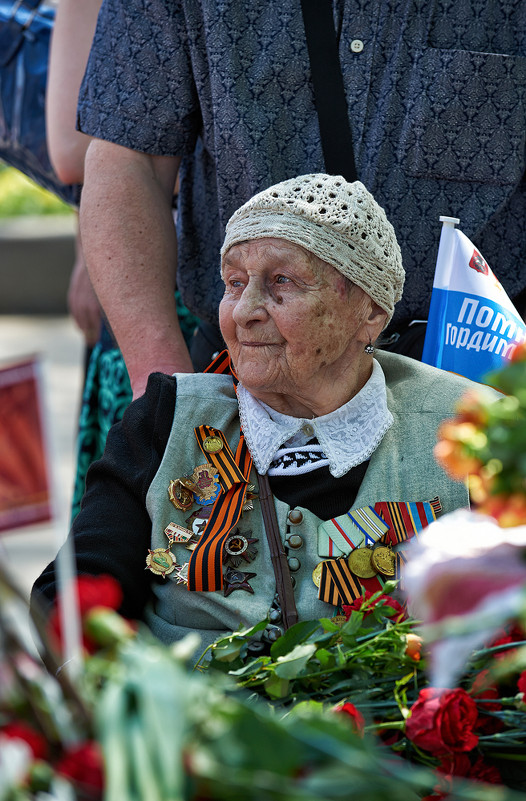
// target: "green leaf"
[[291, 665], [251, 668], [295, 635], [276, 687], [306, 710], [325, 658], [351, 626], [228, 651]]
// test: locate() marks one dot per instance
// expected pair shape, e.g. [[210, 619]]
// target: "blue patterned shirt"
[[437, 108]]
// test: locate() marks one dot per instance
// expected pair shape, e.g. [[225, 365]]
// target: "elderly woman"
[[281, 484]]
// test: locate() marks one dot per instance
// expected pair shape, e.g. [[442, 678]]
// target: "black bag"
[[25, 32]]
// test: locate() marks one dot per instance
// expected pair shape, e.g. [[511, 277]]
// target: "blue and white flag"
[[473, 326]]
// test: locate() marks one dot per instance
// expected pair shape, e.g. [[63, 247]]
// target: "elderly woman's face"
[[289, 320]]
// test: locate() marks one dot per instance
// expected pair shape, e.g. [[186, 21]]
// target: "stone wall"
[[36, 259]]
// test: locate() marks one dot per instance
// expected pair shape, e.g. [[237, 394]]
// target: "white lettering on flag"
[[473, 326]]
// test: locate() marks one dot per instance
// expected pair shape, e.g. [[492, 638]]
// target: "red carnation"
[[482, 772], [453, 765], [92, 591], [483, 688], [357, 719], [35, 740], [383, 600], [83, 766], [443, 721], [506, 636], [461, 765]]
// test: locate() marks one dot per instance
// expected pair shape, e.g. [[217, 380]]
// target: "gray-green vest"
[[401, 469]]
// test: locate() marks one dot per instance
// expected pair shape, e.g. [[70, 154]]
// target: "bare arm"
[[70, 45], [130, 246]]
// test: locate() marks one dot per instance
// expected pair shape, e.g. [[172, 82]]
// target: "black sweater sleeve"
[[111, 533]]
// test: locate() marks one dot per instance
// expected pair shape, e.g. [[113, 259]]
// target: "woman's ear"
[[374, 324]]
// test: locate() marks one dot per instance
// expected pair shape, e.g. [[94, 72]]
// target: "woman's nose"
[[251, 305]]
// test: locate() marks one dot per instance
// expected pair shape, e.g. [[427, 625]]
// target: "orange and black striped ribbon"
[[205, 568], [222, 365], [338, 584], [400, 561], [405, 519], [224, 461]]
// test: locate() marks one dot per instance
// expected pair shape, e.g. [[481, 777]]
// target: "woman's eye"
[[282, 279]]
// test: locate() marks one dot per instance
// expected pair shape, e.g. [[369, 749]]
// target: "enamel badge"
[[161, 561]]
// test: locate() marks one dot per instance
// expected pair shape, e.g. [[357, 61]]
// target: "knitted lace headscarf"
[[339, 222]]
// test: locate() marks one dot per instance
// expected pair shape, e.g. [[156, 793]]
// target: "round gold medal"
[[383, 560], [213, 444], [359, 562], [316, 574]]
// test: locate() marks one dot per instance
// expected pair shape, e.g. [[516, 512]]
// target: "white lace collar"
[[348, 435]]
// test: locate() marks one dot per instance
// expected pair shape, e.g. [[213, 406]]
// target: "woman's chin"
[[253, 378]]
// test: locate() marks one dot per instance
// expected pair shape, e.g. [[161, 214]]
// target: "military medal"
[[204, 484], [197, 520], [181, 497], [316, 574], [359, 562], [182, 574], [384, 560], [237, 580], [160, 561], [178, 534], [213, 444], [239, 547]]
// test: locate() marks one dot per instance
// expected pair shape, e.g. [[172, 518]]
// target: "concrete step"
[[36, 259]]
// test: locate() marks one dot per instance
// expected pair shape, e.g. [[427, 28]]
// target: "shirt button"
[[295, 517], [307, 429], [295, 541], [356, 45], [294, 564]]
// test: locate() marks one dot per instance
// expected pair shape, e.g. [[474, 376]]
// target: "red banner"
[[24, 482]]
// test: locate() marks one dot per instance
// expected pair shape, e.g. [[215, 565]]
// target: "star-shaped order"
[[233, 558], [237, 580]]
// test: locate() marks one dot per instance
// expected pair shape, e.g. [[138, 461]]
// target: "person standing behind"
[[107, 390], [70, 45], [221, 93]]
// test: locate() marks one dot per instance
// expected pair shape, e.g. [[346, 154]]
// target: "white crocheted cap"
[[339, 222]]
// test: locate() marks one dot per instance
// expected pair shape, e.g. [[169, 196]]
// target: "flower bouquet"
[[488, 440], [377, 707], [326, 713]]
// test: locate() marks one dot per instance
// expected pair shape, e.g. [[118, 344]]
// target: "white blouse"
[[345, 437]]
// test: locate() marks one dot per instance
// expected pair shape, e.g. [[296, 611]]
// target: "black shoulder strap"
[[329, 93]]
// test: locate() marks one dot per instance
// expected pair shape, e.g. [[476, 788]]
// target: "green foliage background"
[[20, 195]]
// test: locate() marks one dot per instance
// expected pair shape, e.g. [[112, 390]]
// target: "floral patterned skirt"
[[106, 394]]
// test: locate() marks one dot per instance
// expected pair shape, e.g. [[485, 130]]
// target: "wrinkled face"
[[290, 321]]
